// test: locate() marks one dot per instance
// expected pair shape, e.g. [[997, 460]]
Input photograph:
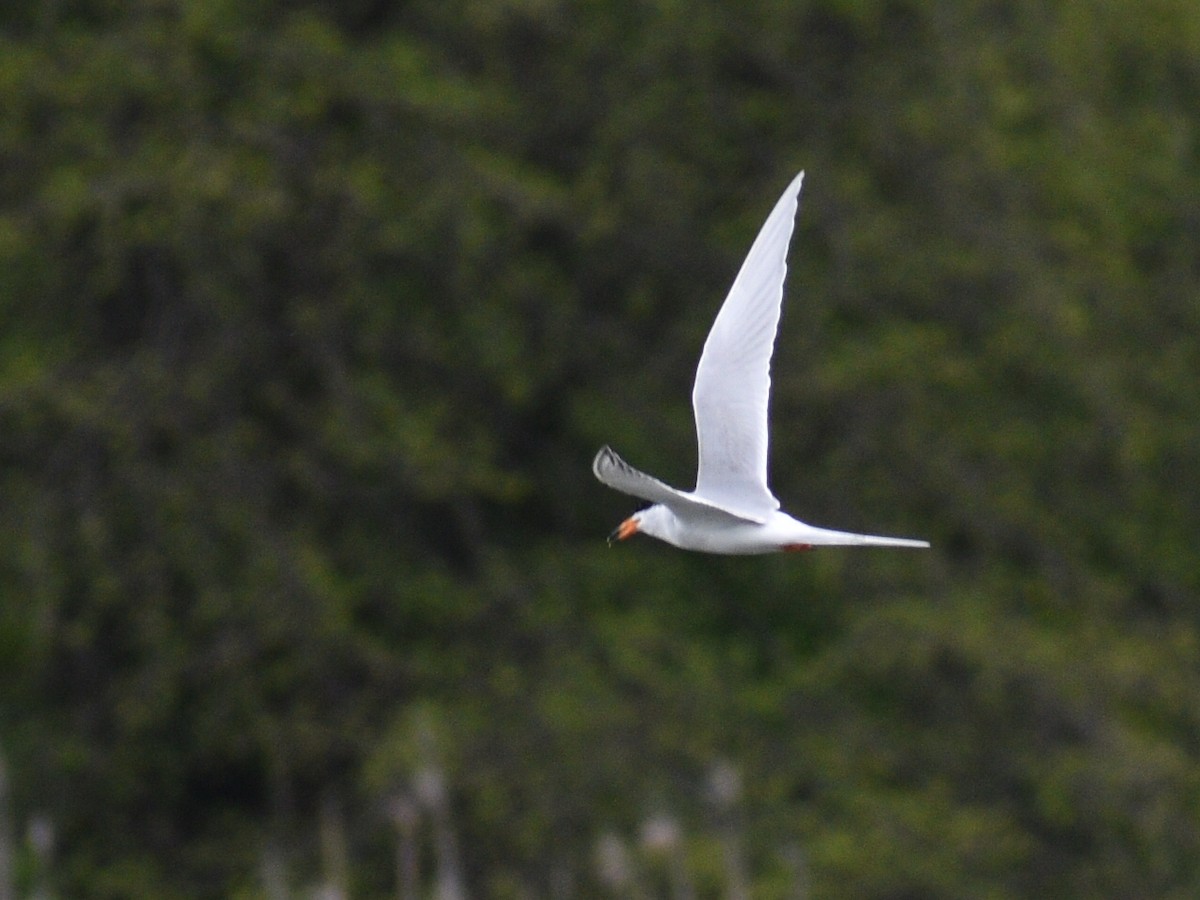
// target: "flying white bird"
[[732, 510]]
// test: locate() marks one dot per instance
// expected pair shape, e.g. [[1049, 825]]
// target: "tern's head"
[[653, 520]]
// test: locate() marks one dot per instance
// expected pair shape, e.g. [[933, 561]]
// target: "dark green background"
[[313, 314]]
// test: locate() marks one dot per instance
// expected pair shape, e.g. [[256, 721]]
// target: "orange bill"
[[626, 529]]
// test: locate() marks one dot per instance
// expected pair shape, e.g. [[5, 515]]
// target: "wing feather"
[[619, 475], [733, 379]]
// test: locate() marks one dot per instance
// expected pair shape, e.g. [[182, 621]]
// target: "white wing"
[[733, 380], [620, 475]]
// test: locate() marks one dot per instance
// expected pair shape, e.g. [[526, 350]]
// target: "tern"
[[732, 510]]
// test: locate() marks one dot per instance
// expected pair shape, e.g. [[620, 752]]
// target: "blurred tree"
[[312, 314]]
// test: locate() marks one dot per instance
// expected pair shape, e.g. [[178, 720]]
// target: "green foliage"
[[312, 315]]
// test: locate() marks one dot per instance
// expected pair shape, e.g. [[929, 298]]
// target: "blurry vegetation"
[[313, 314]]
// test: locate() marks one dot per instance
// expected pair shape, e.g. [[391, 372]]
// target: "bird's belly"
[[735, 539]]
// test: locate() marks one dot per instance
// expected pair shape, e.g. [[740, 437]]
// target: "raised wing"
[[733, 380], [621, 476]]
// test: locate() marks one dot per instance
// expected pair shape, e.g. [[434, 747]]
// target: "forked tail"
[[828, 538]]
